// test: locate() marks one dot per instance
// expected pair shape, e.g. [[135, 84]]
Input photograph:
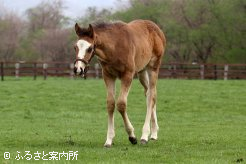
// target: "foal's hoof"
[[153, 139], [133, 140], [143, 142], [107, 145]]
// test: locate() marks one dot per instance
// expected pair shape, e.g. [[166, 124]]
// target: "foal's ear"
[[90, 31], [78, 30]]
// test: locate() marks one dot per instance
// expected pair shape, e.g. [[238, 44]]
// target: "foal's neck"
[[104, 44]]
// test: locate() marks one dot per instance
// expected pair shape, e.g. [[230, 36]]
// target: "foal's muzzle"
[[81, 72]]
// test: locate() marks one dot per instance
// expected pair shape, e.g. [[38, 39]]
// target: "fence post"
[[45, 66], [215, 72], [17, 70], [97, 70], [2, 73], [202, 71], [71, 70], [174, 73], [226, 68], [34, 71]]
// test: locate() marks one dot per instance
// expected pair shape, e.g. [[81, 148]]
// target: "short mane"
[[105, 25]]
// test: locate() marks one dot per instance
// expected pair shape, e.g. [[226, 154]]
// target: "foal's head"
[[84, 48]]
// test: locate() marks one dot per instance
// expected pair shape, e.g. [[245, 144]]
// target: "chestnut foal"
[[124, 49]]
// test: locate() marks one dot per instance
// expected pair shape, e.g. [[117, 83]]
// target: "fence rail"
[[167, 70]]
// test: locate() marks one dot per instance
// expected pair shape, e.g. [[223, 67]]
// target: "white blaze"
[[82, 46]]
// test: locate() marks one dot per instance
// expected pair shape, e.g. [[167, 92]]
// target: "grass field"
[[200, 121]]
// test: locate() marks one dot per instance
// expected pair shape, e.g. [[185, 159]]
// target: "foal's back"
[[149, 43], [130, 46]]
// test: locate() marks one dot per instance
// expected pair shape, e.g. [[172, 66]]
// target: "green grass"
[[200, 121]]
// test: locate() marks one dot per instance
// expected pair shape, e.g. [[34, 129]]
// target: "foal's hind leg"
[[151, 105], [126, 80], [144, 80], [154, 124]]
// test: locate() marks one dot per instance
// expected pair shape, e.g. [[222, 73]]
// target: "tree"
[[10, 34], [229, 29], [196, 30], [54, 45], [47, 38], [93, 14], [200, 30], [46, 15], [195, 17]]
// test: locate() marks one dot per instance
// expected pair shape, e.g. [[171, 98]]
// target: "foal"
[[124, 49]]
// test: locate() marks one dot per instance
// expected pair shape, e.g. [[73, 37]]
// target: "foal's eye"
[[89, 49]]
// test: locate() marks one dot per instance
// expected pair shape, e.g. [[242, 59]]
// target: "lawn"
[[200, 122]]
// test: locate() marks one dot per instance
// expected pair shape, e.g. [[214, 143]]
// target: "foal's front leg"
[[110, 85], [126, 81]]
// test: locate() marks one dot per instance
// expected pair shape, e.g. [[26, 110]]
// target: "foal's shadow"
[[82, 143]]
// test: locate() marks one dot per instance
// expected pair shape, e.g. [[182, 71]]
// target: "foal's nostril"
[[81, 71], [75, 70]]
